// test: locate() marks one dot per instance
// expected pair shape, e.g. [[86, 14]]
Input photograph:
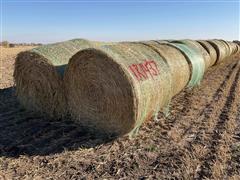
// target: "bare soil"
[[199, 139]]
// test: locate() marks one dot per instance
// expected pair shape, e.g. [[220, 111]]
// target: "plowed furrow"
[[187, 129], [218, 130], [204, 115], [183, 103], [193, 135], [233, 169]]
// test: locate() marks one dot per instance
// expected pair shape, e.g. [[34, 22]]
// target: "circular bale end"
[[211, 51], [227, 47], [38, 85], [221, 49], [233, 47], [100, 94], [114, 89]]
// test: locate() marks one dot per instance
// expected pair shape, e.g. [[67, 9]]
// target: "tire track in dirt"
[[212, 106], [184, 99], [174, 145], [223, 155], [192, 129], [216, 136], [190, 121], [233, 169]]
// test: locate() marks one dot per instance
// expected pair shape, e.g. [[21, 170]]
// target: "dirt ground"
[[199, 139]]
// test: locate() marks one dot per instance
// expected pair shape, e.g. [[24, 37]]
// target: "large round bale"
[[195, 61], [195, 45], [38, 76], [178, 65], [114, 89], [221, 49], [227, 46], [233, 47], [211, 51]]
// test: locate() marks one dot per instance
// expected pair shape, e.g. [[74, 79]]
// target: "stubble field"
[[199, 139]]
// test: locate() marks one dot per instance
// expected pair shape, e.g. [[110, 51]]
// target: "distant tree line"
[[8, 44]]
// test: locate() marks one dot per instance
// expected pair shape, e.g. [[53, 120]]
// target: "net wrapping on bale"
[[201, 51], [196, 62], [116, 88], [178, 65], [109, 87]]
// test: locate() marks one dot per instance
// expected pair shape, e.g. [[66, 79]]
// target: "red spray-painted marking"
[[143, 71]]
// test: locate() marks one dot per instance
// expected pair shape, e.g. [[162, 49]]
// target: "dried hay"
[[38, 76], [114, 89], [178, 65], [233, 47], [221, 49], [211, 51]]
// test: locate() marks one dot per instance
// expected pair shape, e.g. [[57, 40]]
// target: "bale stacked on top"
[[38, 76], [116, 88]]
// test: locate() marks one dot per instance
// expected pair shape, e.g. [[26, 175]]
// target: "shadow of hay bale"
[[27, 133]]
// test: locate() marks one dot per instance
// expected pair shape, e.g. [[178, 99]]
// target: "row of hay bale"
[[39, 72], [113, 87]]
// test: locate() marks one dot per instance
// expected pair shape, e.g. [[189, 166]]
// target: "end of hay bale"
[[113, 89], [211, 51], [221, 49], [101, 95], [38, 85]]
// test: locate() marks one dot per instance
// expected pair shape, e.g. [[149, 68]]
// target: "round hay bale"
[[227, 47], [38, 76], [221, 49], [195, 61], [199, 48], [233, 47], [211, 51], [178, 65], [114, 89]]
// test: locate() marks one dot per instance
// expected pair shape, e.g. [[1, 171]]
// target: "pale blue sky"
[[58, 20]]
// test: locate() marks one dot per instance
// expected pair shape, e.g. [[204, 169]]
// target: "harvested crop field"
[[199, 139]]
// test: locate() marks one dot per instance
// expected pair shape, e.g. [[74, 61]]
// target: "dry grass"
[[8, 56]]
